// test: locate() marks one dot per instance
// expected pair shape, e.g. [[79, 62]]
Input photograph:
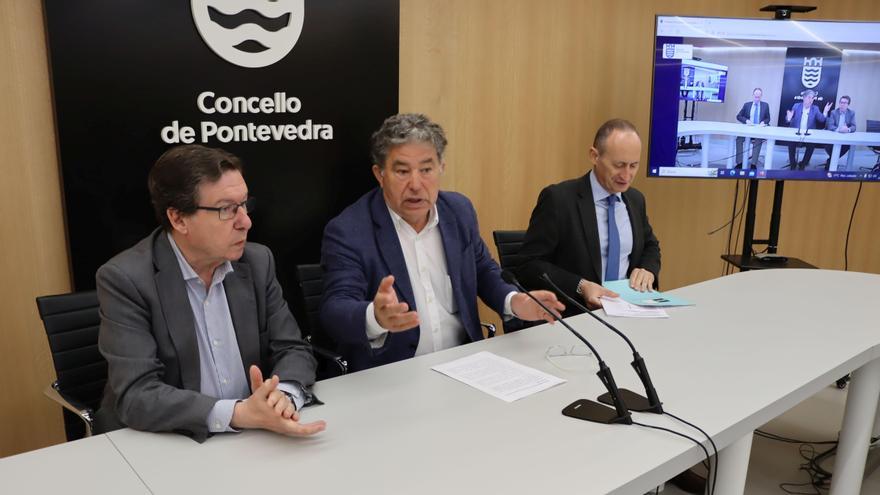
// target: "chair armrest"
[[490, 329], [333, 360], [84, 413]]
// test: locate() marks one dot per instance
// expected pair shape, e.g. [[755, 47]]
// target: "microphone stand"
[[635, 401], [585, 409]]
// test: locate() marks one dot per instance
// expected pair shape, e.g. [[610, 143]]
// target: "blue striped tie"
[[754, 113], [612, 265]]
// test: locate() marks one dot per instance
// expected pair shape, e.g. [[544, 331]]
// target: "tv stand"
[[746, 261]]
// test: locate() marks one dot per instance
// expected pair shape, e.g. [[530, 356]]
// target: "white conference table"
[[88, 466], [756, 344], [732, 130]]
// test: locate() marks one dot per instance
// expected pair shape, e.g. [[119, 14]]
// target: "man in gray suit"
[[842, 119], [193, 309]]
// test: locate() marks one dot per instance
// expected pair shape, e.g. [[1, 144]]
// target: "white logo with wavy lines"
[[255, 33], [812, 72]]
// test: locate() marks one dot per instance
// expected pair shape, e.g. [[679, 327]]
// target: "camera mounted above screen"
[[783, 12]]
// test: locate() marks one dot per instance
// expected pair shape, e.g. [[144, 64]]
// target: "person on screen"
[[405, 263], [754, 112], [842, 119], [192, 314], [594, 228], [804, 116]]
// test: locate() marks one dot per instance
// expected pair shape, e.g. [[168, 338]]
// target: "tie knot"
[[611, 200]]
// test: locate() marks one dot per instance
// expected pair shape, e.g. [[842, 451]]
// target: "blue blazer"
[[360, 247], [815, 120]]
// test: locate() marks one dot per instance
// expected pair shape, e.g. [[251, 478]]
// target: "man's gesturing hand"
[[268, 408], [391, 314]]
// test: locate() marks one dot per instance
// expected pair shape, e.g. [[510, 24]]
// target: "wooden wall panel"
[[520, 86], [34, 260]]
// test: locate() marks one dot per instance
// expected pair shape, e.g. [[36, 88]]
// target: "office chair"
[[508, 243], [873, 126], [310, 281], [71, 322]]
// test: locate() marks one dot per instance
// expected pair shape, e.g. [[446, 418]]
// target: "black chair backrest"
[[71, 322], [508, 243], [310, 279], [872, 126]]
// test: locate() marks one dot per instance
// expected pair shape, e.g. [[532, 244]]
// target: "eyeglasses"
[[569, 357], [228, 212]]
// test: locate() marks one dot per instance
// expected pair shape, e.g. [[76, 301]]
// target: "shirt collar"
[[187, 270], [599, 192], [400, 223]]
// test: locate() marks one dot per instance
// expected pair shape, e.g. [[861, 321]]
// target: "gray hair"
[[809, 92], [406, 128]]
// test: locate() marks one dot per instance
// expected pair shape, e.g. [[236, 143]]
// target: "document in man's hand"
[[497, 376]]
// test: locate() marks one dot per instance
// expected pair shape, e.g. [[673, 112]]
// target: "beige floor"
[[772, 462]]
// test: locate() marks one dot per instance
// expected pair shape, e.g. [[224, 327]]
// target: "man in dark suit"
[[755, 112], [191, 314], [803, 117], [594, 228], [842, 119], [405, 263]]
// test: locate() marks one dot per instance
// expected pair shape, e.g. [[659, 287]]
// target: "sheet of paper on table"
[[497, 376]]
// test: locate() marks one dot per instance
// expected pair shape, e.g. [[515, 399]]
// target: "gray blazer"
[[833, 122], [148, 336]]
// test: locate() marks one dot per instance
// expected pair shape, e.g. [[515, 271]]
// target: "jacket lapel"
[[452, 247], [176, 310], [242, 303], [389, 247], [587, 210], [635, 223]]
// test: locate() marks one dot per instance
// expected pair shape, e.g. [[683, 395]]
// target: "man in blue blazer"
[[804, 116], [405, 263]]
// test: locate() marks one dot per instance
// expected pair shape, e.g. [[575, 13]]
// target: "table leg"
[[731, 152], [705, 155], [849, 157], [733, 465], [835, 157], [768, 155], [855, 433]]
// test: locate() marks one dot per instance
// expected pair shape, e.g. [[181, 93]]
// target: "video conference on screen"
[[765, 99]]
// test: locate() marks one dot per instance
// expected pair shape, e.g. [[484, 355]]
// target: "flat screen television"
[[765, 99]]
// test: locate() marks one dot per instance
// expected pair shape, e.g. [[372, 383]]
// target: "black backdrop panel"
[[122, 71]]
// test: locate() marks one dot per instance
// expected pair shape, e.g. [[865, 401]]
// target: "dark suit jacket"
[[563, 238], [148, 336], [745, 113], [361, 247], [834, 120], [815, 119]]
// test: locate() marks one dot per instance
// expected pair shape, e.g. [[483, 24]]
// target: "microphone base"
[[634, 402], [588, 410]]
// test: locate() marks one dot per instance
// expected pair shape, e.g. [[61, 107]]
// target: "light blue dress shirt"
[[220, 366], [624, 228]]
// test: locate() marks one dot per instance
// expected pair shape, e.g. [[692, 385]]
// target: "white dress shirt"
[[439, 322]]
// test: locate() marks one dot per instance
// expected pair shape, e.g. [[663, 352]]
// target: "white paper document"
[[615, 306], [497, 376]]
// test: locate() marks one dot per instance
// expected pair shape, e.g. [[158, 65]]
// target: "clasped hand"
[[269, 408]]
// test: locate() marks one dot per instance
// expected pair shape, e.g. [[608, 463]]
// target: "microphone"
[[635, 401], [583, 408]]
